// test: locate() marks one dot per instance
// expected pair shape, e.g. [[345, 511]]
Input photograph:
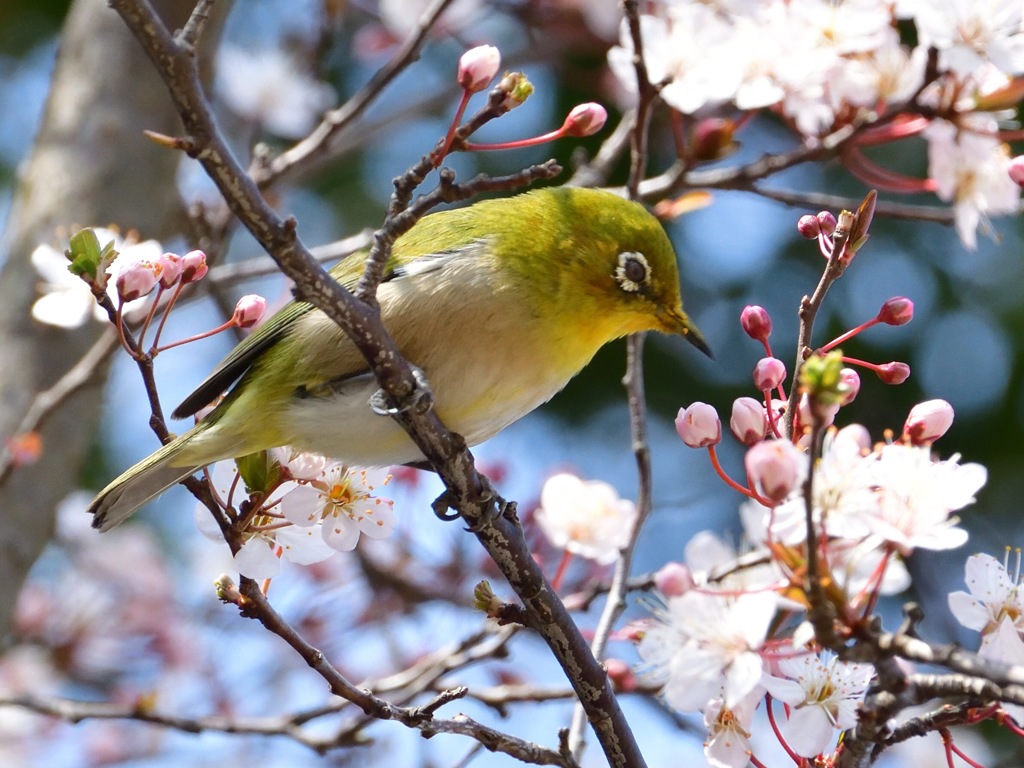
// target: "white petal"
[[303, 545], [206, 524], [302, 506], [340, 532], [63, 308], [728, 749], [808, 731], [742, 677], [968, 611], [256, 559]]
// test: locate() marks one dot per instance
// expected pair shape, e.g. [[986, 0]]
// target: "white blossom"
[[586, 518], [704, 646], [970, 169], [728, 744], [823, 693], [993, 596], [918, 496]]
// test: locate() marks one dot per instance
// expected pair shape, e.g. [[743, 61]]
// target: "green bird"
[[499, 303]]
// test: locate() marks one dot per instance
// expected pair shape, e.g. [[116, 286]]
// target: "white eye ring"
[[633, 273]]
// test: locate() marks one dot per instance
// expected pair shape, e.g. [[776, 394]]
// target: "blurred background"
[[964, 345]]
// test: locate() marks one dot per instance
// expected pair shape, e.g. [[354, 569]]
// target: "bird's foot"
[[420, 400], [494, 507]]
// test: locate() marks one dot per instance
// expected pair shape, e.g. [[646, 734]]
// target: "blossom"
[[919, 495], [993, 596], [478, 66], [823, 693], [844, 492], [748, 422], [585, 517], [67, 301], [969, 33], [268, 88], [728, 745], [704, 646], [971, 169], [343, 501], [321, 508], [928, 421]]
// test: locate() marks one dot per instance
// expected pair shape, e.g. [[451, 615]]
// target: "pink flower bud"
[[193, 267], [893, 373], [827, 222], [478, 66], [171, 264], [699, 425], [673, 579], [808, 226], [748, 421], [137, 279], [756, 322], [775, 468], [769, 373], [585, 120], [898, 310], [1016, 170], [850, 384], [928, 421], [249, 310]]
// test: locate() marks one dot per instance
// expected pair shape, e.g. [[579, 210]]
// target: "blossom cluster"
[[823, 506], [310, 508], [824, 65], [101, 264]]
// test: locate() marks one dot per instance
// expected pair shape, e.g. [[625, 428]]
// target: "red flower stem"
[[962, 756], [450, 136], [563, 564], [518, 143], [773, 423], [849, 334], [205, 335], [778, 734], [163, 318], [732, 483]]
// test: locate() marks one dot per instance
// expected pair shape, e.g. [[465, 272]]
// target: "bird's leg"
[[420, 400]]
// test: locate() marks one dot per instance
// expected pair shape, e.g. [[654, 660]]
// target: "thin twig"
[[81, 374], [309, 150]]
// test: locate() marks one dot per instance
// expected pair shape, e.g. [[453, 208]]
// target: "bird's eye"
[[633, 272]]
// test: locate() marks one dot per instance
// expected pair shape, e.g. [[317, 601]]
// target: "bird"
[[499, 304]]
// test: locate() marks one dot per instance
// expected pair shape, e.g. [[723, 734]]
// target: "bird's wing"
[[249, 350], [241, 358]]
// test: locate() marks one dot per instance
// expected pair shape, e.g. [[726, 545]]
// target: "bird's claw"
[[420, 400], [495, 507]]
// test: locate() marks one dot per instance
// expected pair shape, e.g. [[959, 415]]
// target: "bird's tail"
[[137, 485]]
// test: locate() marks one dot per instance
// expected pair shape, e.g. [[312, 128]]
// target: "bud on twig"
[[699, 425], [478, 66]]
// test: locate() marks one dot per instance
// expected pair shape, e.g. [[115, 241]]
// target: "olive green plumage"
[[500, 304]]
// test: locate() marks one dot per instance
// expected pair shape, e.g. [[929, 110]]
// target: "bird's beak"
[[678, 322]]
